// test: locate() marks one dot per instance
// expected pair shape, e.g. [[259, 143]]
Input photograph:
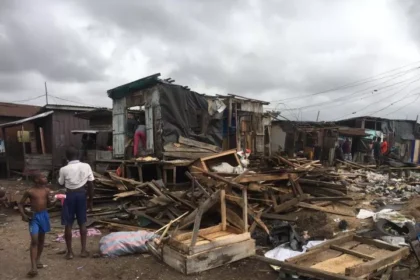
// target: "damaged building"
[[403, 136], [169, 111]]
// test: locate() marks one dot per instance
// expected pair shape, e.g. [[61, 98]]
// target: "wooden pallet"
[[214, 247], [344, 258]]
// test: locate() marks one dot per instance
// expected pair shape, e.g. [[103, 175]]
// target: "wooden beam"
[[330, 198], [304, 271], [378, 244], [264, 177], [245, 209], [196, 183], [197, 223], [326, 210], [371, 266], [223, 208], [351, 252], [322, 184], [285, 161], [198, 144], [219, 178], [272, 216], [206, 205], [289, 204]]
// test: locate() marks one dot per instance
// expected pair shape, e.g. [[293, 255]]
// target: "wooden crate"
[[214, 247], [347, 257]]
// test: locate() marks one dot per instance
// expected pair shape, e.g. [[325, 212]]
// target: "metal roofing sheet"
[[18, 110], [39, 116]]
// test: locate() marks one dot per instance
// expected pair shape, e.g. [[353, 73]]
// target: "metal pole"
[[46, 92], [317, 116]]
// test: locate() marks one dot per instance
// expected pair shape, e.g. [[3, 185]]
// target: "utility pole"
[[317, 116], [46, 92]]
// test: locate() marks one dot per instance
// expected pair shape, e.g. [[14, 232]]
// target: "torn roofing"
[[18, 110], [124, 90]]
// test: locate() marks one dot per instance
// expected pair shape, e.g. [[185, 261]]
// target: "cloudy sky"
[[291, 53]]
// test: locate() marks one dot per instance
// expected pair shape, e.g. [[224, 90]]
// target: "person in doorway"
[[347, 150], [77, 177], [377, 150], [384, 147], [39, 221], [131, 126], [140, 140]]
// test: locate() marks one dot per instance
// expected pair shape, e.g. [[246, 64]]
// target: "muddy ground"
[[15, 262]]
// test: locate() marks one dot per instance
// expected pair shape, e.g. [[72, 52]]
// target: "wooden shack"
[[44, 145]]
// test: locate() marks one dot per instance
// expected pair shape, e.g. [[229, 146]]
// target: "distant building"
[[38, 142]]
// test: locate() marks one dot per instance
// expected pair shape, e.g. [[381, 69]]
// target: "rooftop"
[[69, 108], [18, 110]]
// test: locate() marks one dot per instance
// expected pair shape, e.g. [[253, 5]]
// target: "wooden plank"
[[144, 215], [351, 252], [272, 216], [196, 228], [326, 210], [207, 204], [289, 204], [304, 271], [196, 183], [198, 144], [264, 177], [335, 241], [227, 240], [330, 198], [378, 244], [219, 178], [371, 266], [322, 184], [186, 155], [223, 208], [285, 161], [245, 209], [220, 256], [205, 231]]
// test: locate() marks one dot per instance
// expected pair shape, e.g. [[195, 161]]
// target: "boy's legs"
[[67, 218], [81, 216], [68, 238], [34, 254], [41, 241]]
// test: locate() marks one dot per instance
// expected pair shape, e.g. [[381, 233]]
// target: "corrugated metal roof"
[[124, 90], [15, 123], [18, 110], [69, 107], [103, 112]]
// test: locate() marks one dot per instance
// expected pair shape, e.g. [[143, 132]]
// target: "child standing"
[[39, 222]]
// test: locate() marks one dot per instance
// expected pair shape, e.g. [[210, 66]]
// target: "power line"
[[354, 94], [402, 107], [389, 95], [393, 103], [356, 83], [29, 99], [71, 101]]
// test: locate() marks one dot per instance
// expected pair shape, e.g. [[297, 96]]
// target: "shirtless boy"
[[39, 221]]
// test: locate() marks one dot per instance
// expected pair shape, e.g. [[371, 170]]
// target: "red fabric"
[[139, 136], [384, 147]]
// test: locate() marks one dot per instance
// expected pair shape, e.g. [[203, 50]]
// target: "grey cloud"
[[31, 41]]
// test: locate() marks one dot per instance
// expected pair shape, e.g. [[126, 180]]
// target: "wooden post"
[[223, 208], [24, 153], [245, 209], [5, 152], [41, 135]]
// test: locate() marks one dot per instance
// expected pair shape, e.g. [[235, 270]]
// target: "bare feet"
[[40, 265], [32, 273], [69, 256], [84, 254]]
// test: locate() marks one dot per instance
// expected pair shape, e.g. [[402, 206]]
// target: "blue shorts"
[[74, 207], [40, 223]]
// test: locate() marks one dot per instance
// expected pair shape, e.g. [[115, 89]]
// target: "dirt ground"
[[15, 262]]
